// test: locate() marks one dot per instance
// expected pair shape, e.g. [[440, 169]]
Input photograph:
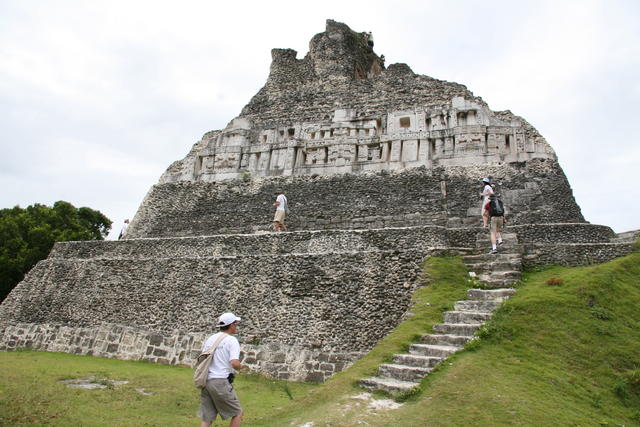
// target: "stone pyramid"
[[381, 168]]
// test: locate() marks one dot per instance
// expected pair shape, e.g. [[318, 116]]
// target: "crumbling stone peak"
[[339, 110]]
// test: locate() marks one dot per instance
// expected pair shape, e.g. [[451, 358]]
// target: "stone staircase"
[[459, 326], [496, 270]]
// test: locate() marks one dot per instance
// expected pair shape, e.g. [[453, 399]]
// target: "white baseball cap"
[[226, 319]]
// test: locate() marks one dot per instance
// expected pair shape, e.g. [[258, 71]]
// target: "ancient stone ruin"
[[381, 168]]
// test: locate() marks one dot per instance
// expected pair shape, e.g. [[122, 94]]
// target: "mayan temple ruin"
[[381, 167]]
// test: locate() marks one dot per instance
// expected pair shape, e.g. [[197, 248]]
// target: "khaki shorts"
[[497, 222], [279, 217], [218, 397]]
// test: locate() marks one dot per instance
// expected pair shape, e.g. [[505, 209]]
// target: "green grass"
[[30, 392], [561, 352]]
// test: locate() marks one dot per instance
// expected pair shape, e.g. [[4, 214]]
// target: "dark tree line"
[[27, 236]]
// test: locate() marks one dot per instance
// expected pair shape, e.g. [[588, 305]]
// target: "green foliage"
[[27, 236]]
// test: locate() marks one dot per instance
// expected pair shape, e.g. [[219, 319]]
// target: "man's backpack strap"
[[203, 361], [215, 345]]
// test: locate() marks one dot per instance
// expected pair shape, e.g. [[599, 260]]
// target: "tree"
[[27, 236]]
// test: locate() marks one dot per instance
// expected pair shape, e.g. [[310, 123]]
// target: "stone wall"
[[537, 192], [177, 348], [553, 234], [292, 302], [535, 255], [422, 238]]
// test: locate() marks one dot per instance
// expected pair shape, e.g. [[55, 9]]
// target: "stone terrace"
[[155, 299]]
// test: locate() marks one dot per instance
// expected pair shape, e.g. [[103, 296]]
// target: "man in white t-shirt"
[[281, 209], [218, 396]]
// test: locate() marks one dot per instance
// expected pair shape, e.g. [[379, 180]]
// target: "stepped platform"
[[264, 243], [151, 298]]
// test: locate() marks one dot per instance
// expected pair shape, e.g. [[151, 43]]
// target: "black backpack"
[[496, 208]]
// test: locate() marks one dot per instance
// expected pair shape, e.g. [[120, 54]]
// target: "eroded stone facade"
[[461, 132]]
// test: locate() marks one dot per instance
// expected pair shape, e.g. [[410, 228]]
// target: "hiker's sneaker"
[[493, 251], [500, 242]]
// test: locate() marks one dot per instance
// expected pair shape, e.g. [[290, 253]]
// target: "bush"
[[27, 235]]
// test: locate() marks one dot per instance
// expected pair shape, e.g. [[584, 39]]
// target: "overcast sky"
[[97, 98]]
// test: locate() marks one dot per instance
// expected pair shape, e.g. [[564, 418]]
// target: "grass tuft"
[[287, 390]]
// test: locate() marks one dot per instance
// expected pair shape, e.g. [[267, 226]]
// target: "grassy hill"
[[564, 351]]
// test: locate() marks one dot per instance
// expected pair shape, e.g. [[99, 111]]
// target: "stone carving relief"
[[462, 132]]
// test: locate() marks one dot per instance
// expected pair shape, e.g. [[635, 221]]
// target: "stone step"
[[416, 360], [403, 372], [433, 350], [487, 258], [490, 294], [507, 246], [439, 339], [507, 238], [500, 275], [483, 306], [472, 221], [464, 329], [388, 384], [500, 283], [497, 265], [466, 316]]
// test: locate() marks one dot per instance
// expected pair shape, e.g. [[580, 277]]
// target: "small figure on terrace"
[[124, 229], [281, 210]]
